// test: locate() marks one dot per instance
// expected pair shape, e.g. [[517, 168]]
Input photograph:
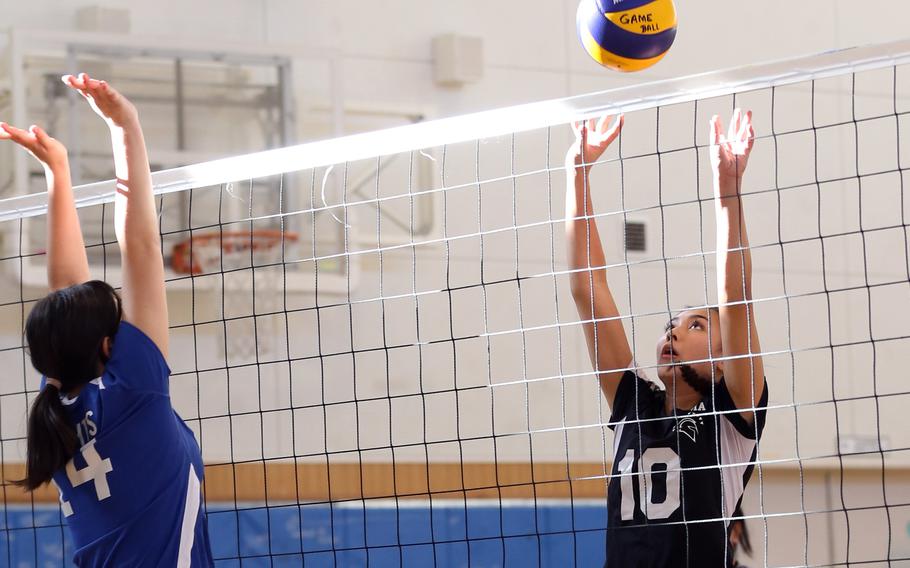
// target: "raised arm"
[[608, 346], [744, 375], [67, 263], [135, 219]]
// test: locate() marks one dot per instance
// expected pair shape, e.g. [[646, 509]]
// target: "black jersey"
[[695, 468]]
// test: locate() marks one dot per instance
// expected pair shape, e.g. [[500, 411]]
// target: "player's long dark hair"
[[65, 332], [744, 543]]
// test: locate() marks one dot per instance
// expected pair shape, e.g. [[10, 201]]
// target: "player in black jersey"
[[682, 454]]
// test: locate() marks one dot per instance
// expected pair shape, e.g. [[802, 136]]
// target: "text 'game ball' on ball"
[[626, 35]]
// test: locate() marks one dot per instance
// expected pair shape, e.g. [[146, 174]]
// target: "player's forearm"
[[67, 263], [734, 259], [585, 251], [136, 222]]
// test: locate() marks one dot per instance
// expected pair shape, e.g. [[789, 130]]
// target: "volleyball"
[[626, 35]]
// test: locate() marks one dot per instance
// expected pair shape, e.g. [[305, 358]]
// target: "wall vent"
[[635, 236]]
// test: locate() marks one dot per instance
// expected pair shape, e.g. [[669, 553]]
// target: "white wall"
[[530, 49]]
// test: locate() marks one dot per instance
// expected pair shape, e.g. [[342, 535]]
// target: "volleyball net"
[[375, 342]]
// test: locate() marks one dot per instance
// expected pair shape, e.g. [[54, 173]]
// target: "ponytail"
[[65, 332], [51, 440]]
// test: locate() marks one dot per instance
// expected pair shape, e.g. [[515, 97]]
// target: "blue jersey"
[[131, 494]]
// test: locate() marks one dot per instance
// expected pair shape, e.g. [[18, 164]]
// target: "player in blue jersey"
[[102, 428], [682, 453]]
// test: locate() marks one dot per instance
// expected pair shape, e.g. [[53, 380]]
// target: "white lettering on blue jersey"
[[188, 528], [96, 470]]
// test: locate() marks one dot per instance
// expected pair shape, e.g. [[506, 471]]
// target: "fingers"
[[82, 81], [734, 125], [604, 123], [748, 130], [579, 127], [17, 135], [85, 84], [98, 88], [599, 129], [39, 133], [71, 81], [77, 83], [33, 138], [742, 130], [616, 129], [745, 134], [25, 138], [715, 135]]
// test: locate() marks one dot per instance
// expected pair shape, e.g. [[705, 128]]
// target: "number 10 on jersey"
[[661, 460]]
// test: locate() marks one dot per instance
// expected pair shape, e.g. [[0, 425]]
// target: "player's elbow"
[[580, 284], [736, 282], [143, 248], [139, 236]]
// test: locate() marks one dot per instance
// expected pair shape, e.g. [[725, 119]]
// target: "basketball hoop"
[[232, 254], [215, 251]]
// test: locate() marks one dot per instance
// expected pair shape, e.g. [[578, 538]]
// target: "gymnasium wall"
[[531, 53]]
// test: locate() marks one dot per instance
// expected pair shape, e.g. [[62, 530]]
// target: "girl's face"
[[686, 340]]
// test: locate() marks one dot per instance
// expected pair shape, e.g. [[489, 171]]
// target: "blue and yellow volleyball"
[[626, 35]]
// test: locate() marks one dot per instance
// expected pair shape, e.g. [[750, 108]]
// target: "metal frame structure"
[[71, 46]]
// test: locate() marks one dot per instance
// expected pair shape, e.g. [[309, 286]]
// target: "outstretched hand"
[[592, 138], [730, 153], [107, 103], [49, 151]]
